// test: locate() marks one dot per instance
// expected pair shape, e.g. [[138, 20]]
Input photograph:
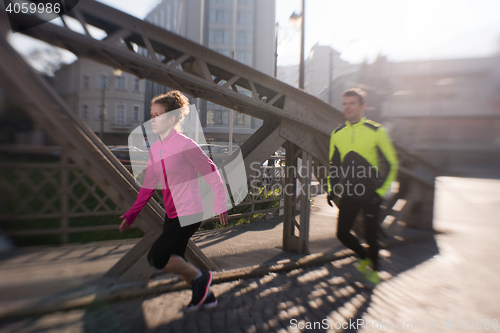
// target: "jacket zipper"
[[161, 160], [161, 147], [352, 135]]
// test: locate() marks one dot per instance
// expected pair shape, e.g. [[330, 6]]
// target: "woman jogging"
[[175, 161]]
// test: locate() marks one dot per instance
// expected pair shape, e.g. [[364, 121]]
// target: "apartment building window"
[[241, 119], [211, 16], [244, 17], [168, 19], [175, 10], [240, 37], [135, 113], [249, 58], [221, 117], [244, 37], [211, 36], [240, 56], [219, 15], [225, 52], [120, 114], [84, 111], [219, 36], [98, 111], [101, 81], [136, 84], [241, 17], [249, 37], [217, 115], [121, 83], [86, 82]]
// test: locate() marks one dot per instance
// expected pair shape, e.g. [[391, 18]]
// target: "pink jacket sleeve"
[[209, 171], [145, 193]]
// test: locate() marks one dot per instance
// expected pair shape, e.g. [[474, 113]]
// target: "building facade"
[[446, 111], [237, 29], [321, 68], [87, 86]]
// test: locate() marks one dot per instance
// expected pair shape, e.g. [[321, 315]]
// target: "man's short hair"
[[356, 92]]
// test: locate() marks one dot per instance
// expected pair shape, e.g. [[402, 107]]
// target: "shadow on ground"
[[331, 291], [327, 294]]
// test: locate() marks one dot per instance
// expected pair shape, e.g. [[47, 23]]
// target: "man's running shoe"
[[201, 288], [362, 265], [210, 303], [372, 277]]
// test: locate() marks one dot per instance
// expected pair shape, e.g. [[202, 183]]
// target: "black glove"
[[329, 198]]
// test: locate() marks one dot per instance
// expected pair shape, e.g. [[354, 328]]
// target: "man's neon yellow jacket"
[[363, 156]]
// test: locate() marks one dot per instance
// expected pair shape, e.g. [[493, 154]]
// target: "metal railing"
[[45, 184]]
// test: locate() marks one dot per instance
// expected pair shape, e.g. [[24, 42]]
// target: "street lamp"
[[233, 51], [295, 19], [104, 85], [277, 27]]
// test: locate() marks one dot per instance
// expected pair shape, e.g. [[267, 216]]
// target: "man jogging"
[[362, 155]]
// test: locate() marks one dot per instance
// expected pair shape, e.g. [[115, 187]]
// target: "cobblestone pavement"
[[428, 286]]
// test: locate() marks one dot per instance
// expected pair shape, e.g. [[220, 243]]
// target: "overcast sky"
[[361, 29]]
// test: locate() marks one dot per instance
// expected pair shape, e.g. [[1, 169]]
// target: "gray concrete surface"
[[428, 286], [43, 271]]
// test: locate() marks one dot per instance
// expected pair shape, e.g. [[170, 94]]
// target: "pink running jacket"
[[175, 162]]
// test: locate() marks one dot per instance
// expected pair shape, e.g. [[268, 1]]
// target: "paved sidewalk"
[[36, 275], [428, 284]]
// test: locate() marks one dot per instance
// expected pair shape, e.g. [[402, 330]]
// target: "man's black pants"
[[349, 208]]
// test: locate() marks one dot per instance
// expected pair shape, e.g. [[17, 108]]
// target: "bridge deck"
[[452, 275]]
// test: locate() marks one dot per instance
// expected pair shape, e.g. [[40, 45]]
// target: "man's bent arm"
[[387, 148]]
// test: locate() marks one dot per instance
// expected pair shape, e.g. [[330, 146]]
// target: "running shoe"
[[210, 303], [372, 276], [201, 288], [362, 265]]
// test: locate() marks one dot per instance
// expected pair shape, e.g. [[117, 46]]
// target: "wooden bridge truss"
[[292, 118]]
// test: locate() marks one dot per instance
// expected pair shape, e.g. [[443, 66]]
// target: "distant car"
[[121, 152], [216, 149], [225, 149], [210, 149], [271, 164]]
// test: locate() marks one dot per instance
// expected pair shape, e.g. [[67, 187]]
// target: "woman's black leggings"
[[173, 240], [348, 210]]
